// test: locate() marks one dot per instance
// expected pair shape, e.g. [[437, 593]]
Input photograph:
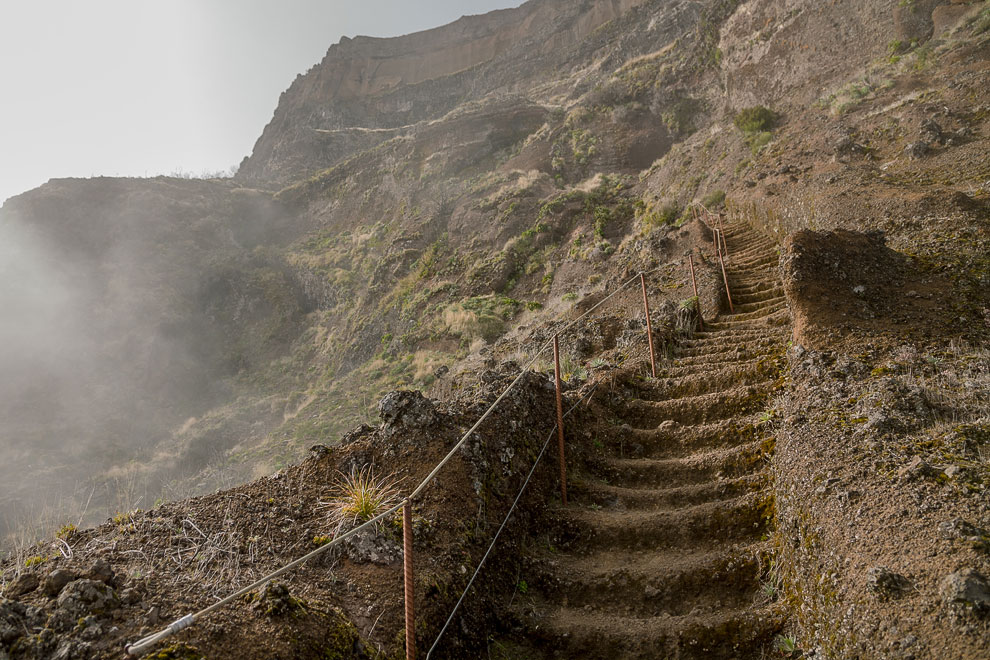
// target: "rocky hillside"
[[422, 213]]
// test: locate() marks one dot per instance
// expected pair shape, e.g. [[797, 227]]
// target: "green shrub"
[[713, 199], [755, 120], [669, 213]]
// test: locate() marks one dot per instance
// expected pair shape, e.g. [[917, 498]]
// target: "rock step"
[[648, 584], [610, 496], [723, 521], [710, 635], [742, 459]]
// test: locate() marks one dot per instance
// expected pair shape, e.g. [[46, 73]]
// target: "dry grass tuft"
[[361, 495]]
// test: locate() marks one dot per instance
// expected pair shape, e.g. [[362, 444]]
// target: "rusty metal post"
[[694, 283], [715, 241], [560, 420], [726, 278], [649, 326], [407, 565]]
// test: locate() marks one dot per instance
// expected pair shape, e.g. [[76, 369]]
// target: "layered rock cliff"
[[366, 90]]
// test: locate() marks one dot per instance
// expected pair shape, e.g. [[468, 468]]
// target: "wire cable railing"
[[145, 644]]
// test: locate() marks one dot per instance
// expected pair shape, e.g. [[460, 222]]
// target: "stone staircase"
[[664, 546]]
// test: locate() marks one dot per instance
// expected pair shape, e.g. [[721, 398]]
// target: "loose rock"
[[100, 571], [406, 408], [886, 583], [24, 584], [56, 581], [917, 150], [966, 591], [80, 599]]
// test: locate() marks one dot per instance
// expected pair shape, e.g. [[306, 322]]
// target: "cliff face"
[[366, 90]]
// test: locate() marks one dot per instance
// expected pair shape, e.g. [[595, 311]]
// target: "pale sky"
[[141, 87]]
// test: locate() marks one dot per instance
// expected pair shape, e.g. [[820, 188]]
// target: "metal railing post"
[[407, 565], [694, 283], [649, 326], [560, 420], [725, 277]]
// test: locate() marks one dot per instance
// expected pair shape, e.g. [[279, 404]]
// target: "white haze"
[[136, 88]]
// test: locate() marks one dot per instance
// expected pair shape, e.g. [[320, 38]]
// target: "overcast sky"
[[141, 87]]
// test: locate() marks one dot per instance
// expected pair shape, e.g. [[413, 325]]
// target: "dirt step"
[[702, 368], [700, 409], [712, 381], [648, 583], [766, 310], [738, 248], [759, 296], [742, 307], [753, 264], [707, 360], [591, 530], [742, 253], [757, 288], [727, 462], [721, 635], [744, 283], [612, 497], [672, 440], [729, 321], [761, 341], [738, 335]]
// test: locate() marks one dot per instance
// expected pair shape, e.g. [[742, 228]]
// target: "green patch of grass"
[[714, 199], [666, 214], [756, 119], [757, 141]]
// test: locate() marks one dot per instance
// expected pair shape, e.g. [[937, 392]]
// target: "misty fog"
[[117, 315]]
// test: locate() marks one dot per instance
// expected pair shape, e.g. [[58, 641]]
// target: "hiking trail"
[[665, 545]]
